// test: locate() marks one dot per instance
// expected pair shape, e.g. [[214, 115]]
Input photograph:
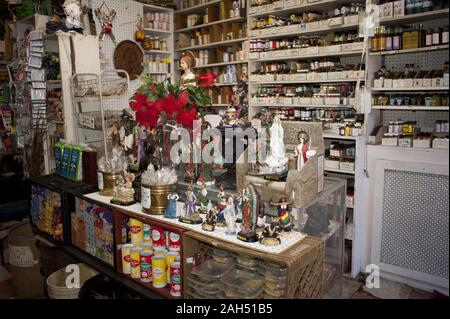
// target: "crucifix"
[[106, 17]]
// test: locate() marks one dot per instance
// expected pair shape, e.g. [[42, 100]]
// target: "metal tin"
[[147, 234], [175, 279], [135, 262], [136, 229], [146, 266], [174, 241], [170, 258], [158, 239], [159, 271], [126, 250]]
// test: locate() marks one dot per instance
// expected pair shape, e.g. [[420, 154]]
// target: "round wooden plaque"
[[128, 56]]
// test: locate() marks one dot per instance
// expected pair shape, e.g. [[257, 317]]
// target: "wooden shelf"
[[305, 81], [322, 106], [156, 8], [410, 108], [417, 17], [197, 8], [414, 89], [304, 57], [324, 5], [296, 33], [339, 137], [411, 51], [212, 45], [189, 29], [339, 171], [157, 52], [218, 64], [158, 31]]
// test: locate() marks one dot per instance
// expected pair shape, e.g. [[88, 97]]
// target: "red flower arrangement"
[[180, 103]]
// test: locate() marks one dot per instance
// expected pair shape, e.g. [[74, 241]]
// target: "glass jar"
[[429, 38], [436, 36], [444, 35]]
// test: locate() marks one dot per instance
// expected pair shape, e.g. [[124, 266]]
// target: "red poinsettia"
[[186, 117], [207, 79]]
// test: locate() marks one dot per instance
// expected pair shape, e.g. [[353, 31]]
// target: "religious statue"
[[271, 234], [124, 192], [206, 169], [301, 150], [190, 215], [187, 62], [230, 216], [203, 199], [191, 171], [250, 206], [171, 209], [277, 160], [211, 218], [115, 134], [261, 223], [164, 129], [284, 207], [222, 198], [239, 207]]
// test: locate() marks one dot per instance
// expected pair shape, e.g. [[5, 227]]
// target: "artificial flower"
[[207, 79], [186, 117]]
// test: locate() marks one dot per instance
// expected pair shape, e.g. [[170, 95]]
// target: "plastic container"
[[272, 268], [222, 256], [209, 292], [208, 288], [211, 269], [246, 261], [275, 285], [234, 294], [266, 296], [274, 292], [279, 280], [243, 282], [252, 269]]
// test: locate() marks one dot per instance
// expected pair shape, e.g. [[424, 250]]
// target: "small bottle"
[[389, 39], [418, 6], [397, 39], [410, 5], [427, 5], [444, 35], [382, 41], [436, 36], [429, 38]]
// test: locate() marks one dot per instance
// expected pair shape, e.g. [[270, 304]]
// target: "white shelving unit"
[[384, 159], [167, 35]]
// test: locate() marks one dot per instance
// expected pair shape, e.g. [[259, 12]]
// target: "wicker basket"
[[56, 282]]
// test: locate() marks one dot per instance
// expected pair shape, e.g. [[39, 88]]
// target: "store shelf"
[[157, 52], [306, 81], [409, 149], [226, 84], [324, 5], [339, 137], [189, 29], [220, 105], [218, 64], [197, 8], [414, 89], [417, 17], [158, 31], [311, 56], [322, 106], [339, 171], [158, 73], [406, 51], [157, 8], [299, 32], [212, 45], [410, 108]]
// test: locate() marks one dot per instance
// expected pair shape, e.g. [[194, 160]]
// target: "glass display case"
[[324, 217]]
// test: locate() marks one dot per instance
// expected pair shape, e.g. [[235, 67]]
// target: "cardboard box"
[[389, 141], [378, 83], [423, 143], [331, 163], [353, 19], [317, 101], [347, 166], [399, 8], [418, 83], [312, 26], [408, 83], [387, 10], [335, 21], [388, 83], [440, 144], [405, 142], [398, 83]]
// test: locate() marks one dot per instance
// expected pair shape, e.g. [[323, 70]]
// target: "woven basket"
[[56, 282]]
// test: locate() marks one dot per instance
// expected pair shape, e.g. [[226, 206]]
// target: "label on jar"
[[146, 200], [445, 37], [396, 43], [100, 180], [436, 37], [429, 40]]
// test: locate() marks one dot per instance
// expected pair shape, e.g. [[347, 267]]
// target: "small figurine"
[[261, 223], [284, 207], [250, 202], [270, 235], [211, 219], [197, 260], [171, 209], [203, 199], [115, 134], [222, 198], [124, 192], [301, 150], [190, 215], [239, 208], [230, 216]]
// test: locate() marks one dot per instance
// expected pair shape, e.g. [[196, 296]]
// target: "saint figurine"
[[206, 169], [124, 192], [221, 198], [211, 219], [249, 202], [230, 216], [115, 135], [277, 160], [190, 215], [271, 234], [203, 199], [284, 207], [171, 209], [301, 150]]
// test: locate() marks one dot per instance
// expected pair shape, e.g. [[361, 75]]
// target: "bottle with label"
[[418, 6], [410, 6], [382, 41], [436, 36], [389, 39], [429, 38], [406, 39], [444, 35], [397, 39], [427, 5]]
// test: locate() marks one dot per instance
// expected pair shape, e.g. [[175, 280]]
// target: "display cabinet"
[[324, 217]]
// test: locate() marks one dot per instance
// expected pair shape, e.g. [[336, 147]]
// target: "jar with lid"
[[397, 39], [389, 39], [436, 36], [342, 130], [429, 38], [444, 35], [391, 127], [382, 39]]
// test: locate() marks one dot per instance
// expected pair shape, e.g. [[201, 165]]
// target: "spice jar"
[[436, 36], [444, 36]]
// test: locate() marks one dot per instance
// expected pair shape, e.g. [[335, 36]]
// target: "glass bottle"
[[418, 6], [389, 39], [444, 35], [397, 39], [436, 36], [406, 39], [429, 38], [427, 5], [382, 40], [410, 6]]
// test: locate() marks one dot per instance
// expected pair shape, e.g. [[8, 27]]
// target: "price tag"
[[146, 199]]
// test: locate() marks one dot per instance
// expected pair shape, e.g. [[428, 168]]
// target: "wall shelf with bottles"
[[416, 17], [187, 6], [411, 89]]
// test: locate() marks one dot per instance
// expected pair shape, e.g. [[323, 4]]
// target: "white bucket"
[[56, 282]]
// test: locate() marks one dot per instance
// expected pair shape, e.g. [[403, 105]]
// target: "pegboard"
[[433, 60], [124, 26], [425, 119]]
